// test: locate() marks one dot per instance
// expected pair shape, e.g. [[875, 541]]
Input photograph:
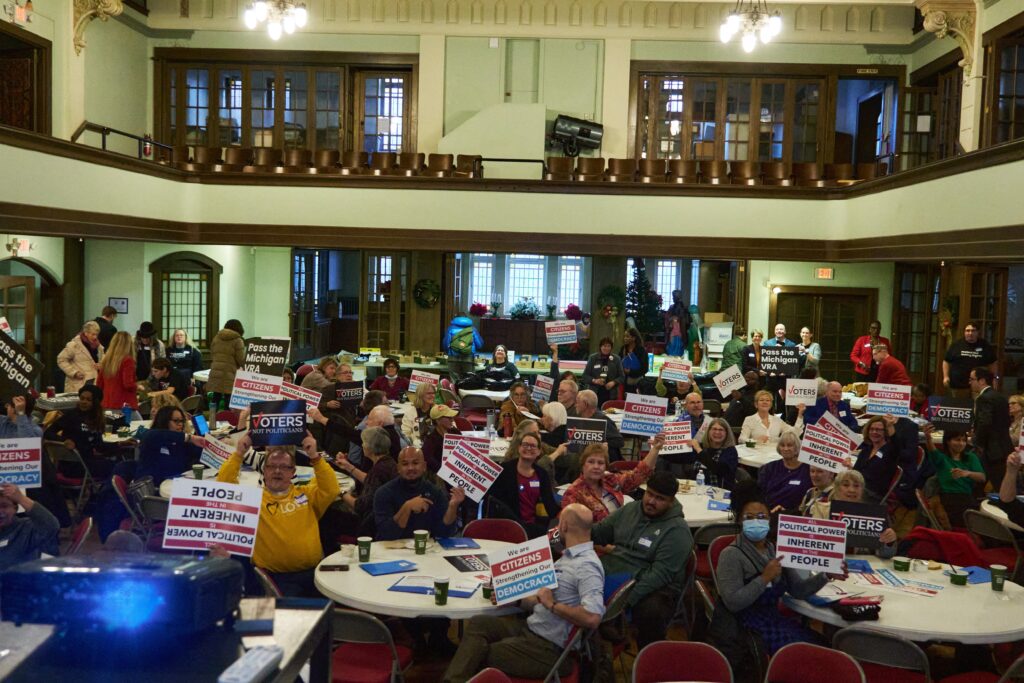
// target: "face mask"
[[756, 529]]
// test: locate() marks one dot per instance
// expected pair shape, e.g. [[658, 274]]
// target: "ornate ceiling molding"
[[954, 18], [86, 11]]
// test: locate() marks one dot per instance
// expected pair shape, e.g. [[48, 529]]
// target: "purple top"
[[782, 486]]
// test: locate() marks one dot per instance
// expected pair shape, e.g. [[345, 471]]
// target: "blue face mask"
[[756, 529]]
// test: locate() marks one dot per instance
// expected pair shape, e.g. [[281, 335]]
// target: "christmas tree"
[[642, 302]]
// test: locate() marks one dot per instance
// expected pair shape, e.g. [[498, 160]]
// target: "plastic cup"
[[364, 548], [420, 541], [487, 589], [958, 578], [751, 443], [998, 576], [901, 564], [197, 472], [441, 591]]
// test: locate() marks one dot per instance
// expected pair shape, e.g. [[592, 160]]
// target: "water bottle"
[[700, 481], [126, 413], [491, 430]]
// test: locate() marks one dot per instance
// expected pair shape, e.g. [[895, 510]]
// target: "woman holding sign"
[[523, 491], [878, 457], [604, 492], [849, 488], [763, 427], [716, 453]]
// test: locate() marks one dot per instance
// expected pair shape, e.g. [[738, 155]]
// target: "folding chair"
[[78, 536], [893, 483], [368, 652], [191, 404], [121, 489], [85, 485], [806, 663], [984, 527], [268, 584], [926, 508], [883, 656], [673, 661], [505, 530], [703, 537]]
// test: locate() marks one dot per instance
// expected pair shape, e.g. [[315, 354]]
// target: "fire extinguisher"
[[147, 145]]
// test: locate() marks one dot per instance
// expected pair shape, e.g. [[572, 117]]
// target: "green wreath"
[[426, 293]]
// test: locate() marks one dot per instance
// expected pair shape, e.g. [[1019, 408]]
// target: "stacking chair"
[[267, 583], [265, 160], [682, 171], [744, 173], [621, 170], [354, 163], [191, 404], [206, 158], [297, 160], [85, 485], [806, 663], [367, 651], [775, 173], [652, 171], [505, 530], [469, 166], [589, 169], [714, 172], [78, 536], [883, 656], [559, 168], [679, 661], [121, 489], [807, 175], [410, 163], [383, 163], [713, 407], [1007, 553], [702, 539], [439, 166]]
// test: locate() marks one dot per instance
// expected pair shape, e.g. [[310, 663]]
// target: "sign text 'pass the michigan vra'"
[[469, 468], [814, 544], [643, 415], [21, 462], [888, 399], [521, 570], [204, 513]]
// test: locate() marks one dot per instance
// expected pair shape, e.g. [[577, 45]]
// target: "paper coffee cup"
[[364, 548], [901, 564], [420, 541], [197, 472], [441, 591], [958, 578], [998, 576]]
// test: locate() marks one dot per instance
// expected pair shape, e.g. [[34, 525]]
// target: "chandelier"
[[753, 20], [280, 15]]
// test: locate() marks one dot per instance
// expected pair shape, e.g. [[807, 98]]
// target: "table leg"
[[320, 661]]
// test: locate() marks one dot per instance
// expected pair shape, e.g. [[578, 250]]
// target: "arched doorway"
[[31, 300]]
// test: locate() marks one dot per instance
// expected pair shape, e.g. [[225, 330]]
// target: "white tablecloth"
[[493, 395], [759, 456], [303, 474]]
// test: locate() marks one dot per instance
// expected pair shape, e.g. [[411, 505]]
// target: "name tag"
[[795, 482], [868, 345], [164, 450], [535, 484], [645, 542], [301, 499]]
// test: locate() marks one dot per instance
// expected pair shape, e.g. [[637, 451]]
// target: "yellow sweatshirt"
[[288, 539]]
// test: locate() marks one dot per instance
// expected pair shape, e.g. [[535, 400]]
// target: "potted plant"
[[524, 309], [477, 310]]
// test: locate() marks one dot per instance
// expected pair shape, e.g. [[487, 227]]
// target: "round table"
[[973, 614], [758, 456], [303, 473], [992, 510], [358, 589], [496, 396], [695, 505]]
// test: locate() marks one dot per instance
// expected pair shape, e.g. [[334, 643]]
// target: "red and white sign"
[[677, 438], [417, 377], [801, 391], [572, 365], [676, 370], [888, 399], [643, 415], [824, 449], [480, 445], [730, 380], [5, 326], [250, 387], [205, 513], [831, 423], [21, 462], [542, 386], [814, 544], [560, 331], [520, 571], [468, 469], [1020, 446], [216, 452], [294, 391]]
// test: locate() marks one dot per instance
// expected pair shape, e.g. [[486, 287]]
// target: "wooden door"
[[18, 305], [866, 146], [17, 89], [302, 315], [384, 294], [836, 317], [915, 320], [383, 101]]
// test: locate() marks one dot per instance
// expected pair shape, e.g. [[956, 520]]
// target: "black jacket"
[[503, 497], [187, 360], [107, 331], [992, 426]]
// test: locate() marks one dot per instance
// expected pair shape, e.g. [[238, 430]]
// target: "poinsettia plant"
[[573, 312], [478, 309]]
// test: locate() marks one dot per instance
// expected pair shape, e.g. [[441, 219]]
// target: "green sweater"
[[944, 471], [653, 551], [732, 353]]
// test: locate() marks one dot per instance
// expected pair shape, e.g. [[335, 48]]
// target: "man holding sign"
[[528, 648]]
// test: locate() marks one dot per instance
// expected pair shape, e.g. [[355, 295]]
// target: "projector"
[[112, 593]]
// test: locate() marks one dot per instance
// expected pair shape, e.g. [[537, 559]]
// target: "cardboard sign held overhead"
[[21, 462], [349, 393], [466, 468], [781, 360], [643, 415], [267, 355], [250, 387], [204, 513], [676, 370], [18, 367], [542, 386], [955, 414], [560, 331], [824, 449], [311, 397], [418, 377], [277, 423], [677, 438], [730, 380], [581, 431], [801, 391], [215, 453], [888, 399]]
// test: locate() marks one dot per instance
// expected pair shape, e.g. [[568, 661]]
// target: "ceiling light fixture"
[[752, 19], [281, 16]]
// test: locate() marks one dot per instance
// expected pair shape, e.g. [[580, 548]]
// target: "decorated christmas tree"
[[642, 302]]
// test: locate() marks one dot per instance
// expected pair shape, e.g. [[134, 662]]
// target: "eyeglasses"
[[178, 421], [759, 515], [527, 447]]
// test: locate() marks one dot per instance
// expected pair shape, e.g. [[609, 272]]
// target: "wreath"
[[426, 293]]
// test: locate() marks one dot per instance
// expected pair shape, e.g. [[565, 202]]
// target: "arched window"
[[186, 294]]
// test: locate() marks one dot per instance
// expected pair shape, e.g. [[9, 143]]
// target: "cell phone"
[[199, 422], [334, 567]]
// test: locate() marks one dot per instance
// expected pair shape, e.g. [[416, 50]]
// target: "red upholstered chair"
[[464, 425], [302, 372], [623, 465], [506, 530], [229, 416], [490, 675], [715, 551], [618, 405], [681, 661], [1014, 672], [806, 663], [883, 656], [79, 535], [368, 653], [702, 539]]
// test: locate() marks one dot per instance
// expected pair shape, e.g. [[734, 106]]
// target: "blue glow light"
[[128, 605]]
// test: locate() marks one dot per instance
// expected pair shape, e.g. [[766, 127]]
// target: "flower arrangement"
[[524, 309], [478, 309], [573, 312]]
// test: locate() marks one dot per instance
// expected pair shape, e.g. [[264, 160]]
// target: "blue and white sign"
[[520, 571], [21, 462], [644, 415]]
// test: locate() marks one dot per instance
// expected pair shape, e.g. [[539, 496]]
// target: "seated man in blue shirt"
[[832, 402], [528, 648], [409, 502]]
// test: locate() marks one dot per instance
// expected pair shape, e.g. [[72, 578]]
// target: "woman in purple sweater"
[[784, 482]]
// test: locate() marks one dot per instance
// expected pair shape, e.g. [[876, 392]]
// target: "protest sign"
[[888, 399], [955, 415], [203, 513], [677, 438], [467, 469], [864, 522], [1020, 445], [417, 377], [780, 360], [824, 449], [560, 331], [814, 544], [730, 380], [250, 387], [5, 326], [294, 391], [266, 355], [215, 453], [572, 365], [521, 570], [277, 423], [21, 462], [831, 423], [18, 367], [542, 386], [498, 449], [349, 394], [643, 415], [676, 370], [801, 391], [582, 432], [479, 445]]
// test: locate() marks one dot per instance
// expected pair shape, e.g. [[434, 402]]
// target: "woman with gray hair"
[[377, 448], [81, 357], [553, 418], [849, 487], [785, 481]]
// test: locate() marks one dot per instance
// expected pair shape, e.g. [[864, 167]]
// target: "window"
[[570, 281], [548, 280], [384, 112], [525, 279], [694, 282], [230, 124], [1008, 112], [186, 295], [666, 279], [667, 275], [197, 105], [481, 278]]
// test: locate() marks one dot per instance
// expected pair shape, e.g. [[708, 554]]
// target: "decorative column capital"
[[86, 11], [954, 18]]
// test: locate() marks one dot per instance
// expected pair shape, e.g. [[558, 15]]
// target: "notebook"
[[453, 543], [383, 568]]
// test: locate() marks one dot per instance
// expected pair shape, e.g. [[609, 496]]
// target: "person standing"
[[890, 370], [80, 359], [962, 356], [751, 354], [732, 352], [147, 349], [776, 382], [604, 373], [185, 358], [991, 424], [810, 350], [227, 353], [864, 368], [116, 375], [106, 323], [634, 359]]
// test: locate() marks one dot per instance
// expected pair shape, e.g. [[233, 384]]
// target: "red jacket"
[[394, 391], [891, 371], [862, 353], [120, 388]]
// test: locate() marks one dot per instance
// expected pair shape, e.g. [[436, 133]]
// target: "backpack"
[[462, 342]]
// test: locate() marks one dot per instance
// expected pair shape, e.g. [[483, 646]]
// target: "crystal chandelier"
[[752, 19], [280, 15]]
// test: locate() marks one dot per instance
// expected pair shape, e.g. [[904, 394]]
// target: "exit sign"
[[824, 273]]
